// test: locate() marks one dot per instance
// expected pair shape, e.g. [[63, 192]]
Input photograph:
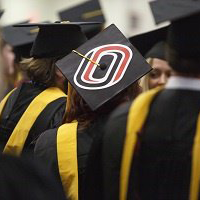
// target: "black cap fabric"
[[184, 31], [157, 51], [184, 37], [22, 52], [21, 39], [150, 44], [18, 36], [103, 66], [88, 11], [57, 39], [23, 178], [172, 10]]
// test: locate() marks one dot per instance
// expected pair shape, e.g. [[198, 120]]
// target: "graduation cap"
[[57, 39], [88, 11], [184, 31], [151, 44], [20, 39], [171, 10], [103, 66], [157, 51]]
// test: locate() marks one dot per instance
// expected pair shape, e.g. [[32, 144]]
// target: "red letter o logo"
[[120, 57]]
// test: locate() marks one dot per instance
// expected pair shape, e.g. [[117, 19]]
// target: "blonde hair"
[[144, 81]]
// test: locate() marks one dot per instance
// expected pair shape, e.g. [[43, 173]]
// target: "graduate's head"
[[152, 45], [7, 56], [103, 72], [161, 71], [183, 36], [41, 71], [21, 39], [53, 41], [183, 52], [82, 112], [158, 76]]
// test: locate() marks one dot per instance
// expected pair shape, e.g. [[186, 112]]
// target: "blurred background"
[[131, 16]]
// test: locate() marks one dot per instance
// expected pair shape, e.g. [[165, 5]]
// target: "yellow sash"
[[18, 137], [67, 158], [3, 102], [195, 173], [136, 118]]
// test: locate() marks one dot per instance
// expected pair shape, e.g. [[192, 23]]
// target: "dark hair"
[[80, 111], [183, 65], [41, 70]]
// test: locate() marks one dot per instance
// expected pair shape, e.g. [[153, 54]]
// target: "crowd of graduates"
[[87, 113]]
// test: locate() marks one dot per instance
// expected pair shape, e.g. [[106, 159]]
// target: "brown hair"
[[80, 111], [40, 70]]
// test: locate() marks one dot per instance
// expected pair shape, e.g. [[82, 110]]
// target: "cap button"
[[103, 66]]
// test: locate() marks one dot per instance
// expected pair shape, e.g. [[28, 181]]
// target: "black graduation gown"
[[96, 167], [46, 150], [162, 162], [17, 104], [25, 179]]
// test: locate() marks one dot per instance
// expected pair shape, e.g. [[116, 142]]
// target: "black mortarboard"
[[21, 39], [87, 11], [17, 37], [157, 51], [104, 66], [57, 39], [151, 44], [184, 31], [171, 10]]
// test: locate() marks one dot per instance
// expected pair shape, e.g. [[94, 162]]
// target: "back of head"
[[23, 179], [41, 71], [183, 36], [80, 111], [103, 73], [21, 40], [53, 41], [183, 52]]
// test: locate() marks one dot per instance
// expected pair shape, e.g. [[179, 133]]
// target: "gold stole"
[[3, 102], [67, 158], [20, 133], [136, 118]]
